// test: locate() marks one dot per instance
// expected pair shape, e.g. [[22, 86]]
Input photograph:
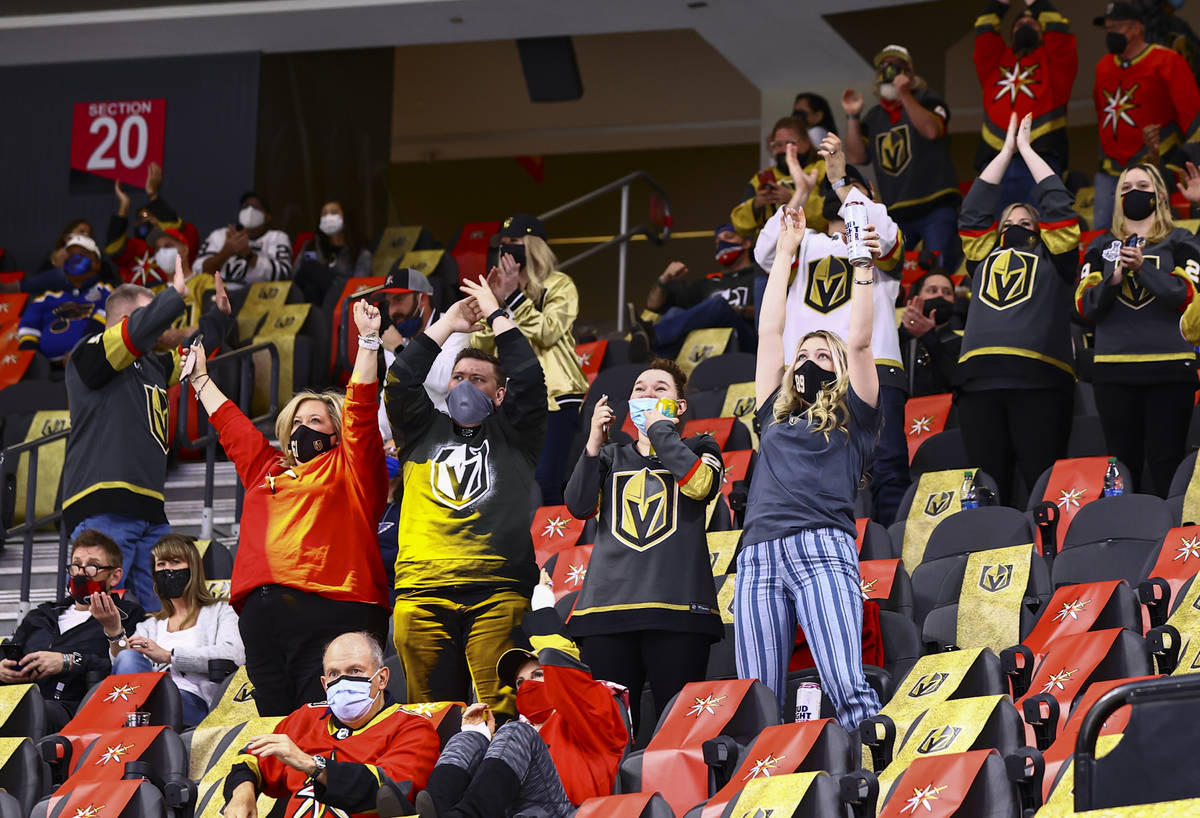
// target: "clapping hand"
[[179, 280], [153, 179], [792, 225], [1025, 132], [505, 277], [1010, 137], [221, 299], [482, 293], [835, 158], [237, 242], [1192, 187], [122, 199], [916, 323], [804, 181], [852, 102]]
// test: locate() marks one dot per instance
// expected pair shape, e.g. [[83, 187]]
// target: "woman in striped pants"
[[820, 420]]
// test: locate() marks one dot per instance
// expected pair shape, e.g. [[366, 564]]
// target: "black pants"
[[285, 632], [1146, 424], [561, 428], [1015, 431], [667, 659]]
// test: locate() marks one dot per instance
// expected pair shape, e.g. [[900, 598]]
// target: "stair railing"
[[243, 357], [657, 228]]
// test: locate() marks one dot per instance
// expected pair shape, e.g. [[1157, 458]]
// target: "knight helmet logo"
[[894, 149], [244, 693], [939, 503], [644, 507], [938, 740], [743, 407], [1008, 278], [460, 475], [1133, 293], [156, 413], [995, 578], [828, 284], [928, 684]]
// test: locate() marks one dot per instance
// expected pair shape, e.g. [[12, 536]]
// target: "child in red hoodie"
[[564, 749]]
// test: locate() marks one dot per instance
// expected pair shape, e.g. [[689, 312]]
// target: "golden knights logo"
[[644, 507], [1132, 293], [701, 352], [245, 693], [939, 503], [1008, 278], [894, 150], [459, 474], [938, 740], [744, 407], [995, 578], [828, 284], [156, 413], [927, 684]]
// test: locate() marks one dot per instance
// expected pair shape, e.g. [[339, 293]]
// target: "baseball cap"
[[1119, 11], [510, 662], [721, 228], [86, 242], [897, 51], [522, 224], [402, 279], [158, 232]]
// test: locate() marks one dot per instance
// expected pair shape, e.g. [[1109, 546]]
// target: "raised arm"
[[1036, 164], [993, 172], [856, 141], [366, 363], [931, 124], [859, 356], [768, 369]]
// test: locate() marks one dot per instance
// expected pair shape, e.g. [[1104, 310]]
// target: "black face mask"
[[307, 443], [1016, 237], [1026, 39], [172, 582], [939, 309], [1138, 204], [810, 379], [1116, 43], [517, 251], [781, 164], [141, 230]]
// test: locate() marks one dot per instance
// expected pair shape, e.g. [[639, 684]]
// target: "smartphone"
[[13, 651], [1133, 241], [766, 178], [605, 425], [185, 371]]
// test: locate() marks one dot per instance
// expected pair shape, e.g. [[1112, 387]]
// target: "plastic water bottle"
[[968, 497], [1114, 484]]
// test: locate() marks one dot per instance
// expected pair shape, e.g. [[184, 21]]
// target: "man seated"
[[339, 752], [722, 299], [565, 749], [774, 186], [134, 252], [72, 309], [931, 334], [248, 251], [64, 642]]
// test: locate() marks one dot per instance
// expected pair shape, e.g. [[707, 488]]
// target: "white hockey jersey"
[[272, 258]]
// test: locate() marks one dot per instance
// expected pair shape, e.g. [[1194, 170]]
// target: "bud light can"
[[667, 407], [856, 225], [808, 701], [137, 718]]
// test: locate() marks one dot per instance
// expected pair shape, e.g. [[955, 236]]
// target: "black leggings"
[[1146, 423], [667, 659], [285, 632], [1015, 431]]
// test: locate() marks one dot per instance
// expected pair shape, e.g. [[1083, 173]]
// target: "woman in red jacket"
[[308, 565]]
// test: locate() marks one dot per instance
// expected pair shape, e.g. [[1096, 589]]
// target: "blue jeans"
[[890, 477], [1106, 194], [136, 538], [677, 322], [939, 229], [130, 661], [551, 473]]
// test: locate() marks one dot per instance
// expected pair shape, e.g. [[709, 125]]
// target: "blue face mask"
[[77, 264], [409, 326], [638, 407], [349, 697]]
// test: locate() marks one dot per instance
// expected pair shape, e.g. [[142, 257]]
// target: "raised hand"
[[482, 293], [1010, 138], [914, 319], [366, 317], [871, 239], [221, 299], [195, 351], [505, 277], [153, 179], [675, 271], [852, 102], [902, 83], [463, 315], [122, 199], [602, 418], [1190, 187], [835, 158], [1024, 132], [179, 280], [791, 231]]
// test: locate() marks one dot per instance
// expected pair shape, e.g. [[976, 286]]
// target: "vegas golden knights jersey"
[[650, 566]]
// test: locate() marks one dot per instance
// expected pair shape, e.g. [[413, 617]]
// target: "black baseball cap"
[[510, 662], [1120, 10], [254, 194], [522, 224], [402, 279]]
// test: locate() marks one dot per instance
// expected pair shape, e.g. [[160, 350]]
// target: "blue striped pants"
[[810, 578]]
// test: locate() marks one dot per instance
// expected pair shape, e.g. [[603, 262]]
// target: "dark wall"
[[324, 126], [212, 108]]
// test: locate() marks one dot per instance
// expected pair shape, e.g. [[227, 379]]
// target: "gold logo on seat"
[[938, 740], [994, 578], [938, 503]]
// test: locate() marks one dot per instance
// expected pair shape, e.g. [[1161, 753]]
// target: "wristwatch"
[[320, 762], [845, 180], [120, 640], [499, 312]]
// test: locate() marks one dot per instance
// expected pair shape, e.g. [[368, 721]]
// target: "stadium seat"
[[1177, 561], [23, 711], [211, 753], [1175, 645], [977, 529], [632, 805], [216, 558], [568, 569], [701, 345], [886, 582], [705, 404], [10, 807], [23, 773], [233, 702], [1068, 486], [1090, 606], [873, 541], [986, 599], [397, 683], [924, 417], [673, 762], [806, 795], [591, 355], [553, 529], [931, 498], [721, 371], [974, 784], [133, 798], [940, 452], [1112, 538], [781, 749]]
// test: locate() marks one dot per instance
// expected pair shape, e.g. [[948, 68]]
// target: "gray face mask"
[[468, 405]]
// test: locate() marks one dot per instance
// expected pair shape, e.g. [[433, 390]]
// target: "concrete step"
[[10, 609]]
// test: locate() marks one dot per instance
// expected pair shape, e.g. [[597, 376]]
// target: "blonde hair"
[[283, 423], [829, 411], [540, 263], [1163, 223], [196, 595], [1033, 214]]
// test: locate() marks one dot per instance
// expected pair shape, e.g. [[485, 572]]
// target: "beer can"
[[808, 701], [856, 225], [667, 407], [137, 718]]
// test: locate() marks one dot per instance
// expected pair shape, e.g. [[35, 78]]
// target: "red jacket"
[[1038, 83], [312, 527], [1154, 88]]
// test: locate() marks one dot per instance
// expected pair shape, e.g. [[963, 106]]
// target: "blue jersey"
[[55, 321]]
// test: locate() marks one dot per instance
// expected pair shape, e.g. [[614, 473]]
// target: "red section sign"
[[118, 140]]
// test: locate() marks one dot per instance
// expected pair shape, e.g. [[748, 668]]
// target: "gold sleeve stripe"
[[1061, 236], [118, 346], [1086, 283], [987, 22], [698, 481], [978, 243], [555, 641]]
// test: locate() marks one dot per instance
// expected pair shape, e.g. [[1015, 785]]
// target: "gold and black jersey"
[[649, 567]]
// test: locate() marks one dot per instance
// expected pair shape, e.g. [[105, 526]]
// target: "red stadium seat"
[[298, 244], [470, 251], [591, 356], [925, 417], [553, 529]]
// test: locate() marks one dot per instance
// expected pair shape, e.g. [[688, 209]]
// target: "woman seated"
[[191, 628]]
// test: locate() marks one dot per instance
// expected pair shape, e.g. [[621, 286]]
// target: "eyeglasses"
[[75, 569], [781, 146]]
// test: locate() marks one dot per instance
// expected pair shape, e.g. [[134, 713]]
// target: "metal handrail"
[[244, 357], [648, 229], [32, 521]]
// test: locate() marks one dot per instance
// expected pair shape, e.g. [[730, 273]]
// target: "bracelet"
[[192, 380], [496, 314], [198, 389], [868, 281], [370, 342], [853, 116]]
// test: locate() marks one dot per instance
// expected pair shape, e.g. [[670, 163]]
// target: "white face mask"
[[165, 257], [251, 217], [331, 224], [888, 91]]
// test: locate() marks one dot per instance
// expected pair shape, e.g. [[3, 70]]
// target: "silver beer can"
[[808, 701], [856, 225]]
